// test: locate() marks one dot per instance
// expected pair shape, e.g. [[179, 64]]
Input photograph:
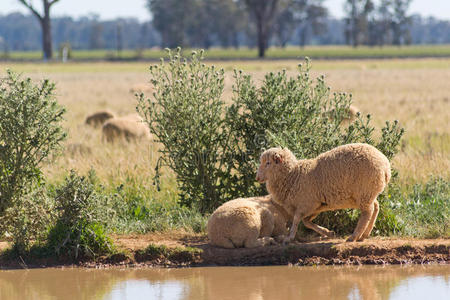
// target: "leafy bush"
[[29, 219], [185, 115], [82, 215], [214, 149], [30, 129]]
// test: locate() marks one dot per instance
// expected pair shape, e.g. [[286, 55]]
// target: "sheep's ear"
[[277, 158]]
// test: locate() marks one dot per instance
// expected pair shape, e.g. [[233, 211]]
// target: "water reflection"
[[393, 282]]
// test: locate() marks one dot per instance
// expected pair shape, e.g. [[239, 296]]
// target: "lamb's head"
[[273, 162]]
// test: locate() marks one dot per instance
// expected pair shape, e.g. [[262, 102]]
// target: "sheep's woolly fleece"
[[349, 176], [129, 128], [247, 222]]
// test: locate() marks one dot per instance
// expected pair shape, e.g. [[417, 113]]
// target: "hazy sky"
[[110, 9]]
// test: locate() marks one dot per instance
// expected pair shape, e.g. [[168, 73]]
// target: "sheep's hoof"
[[267, 241], [331, 234], [286, 241], [280, 238], [350, 239]]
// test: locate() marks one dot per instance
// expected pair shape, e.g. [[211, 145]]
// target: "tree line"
[[225, 23]]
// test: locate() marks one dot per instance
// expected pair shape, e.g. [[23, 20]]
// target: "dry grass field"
[[414, 91]]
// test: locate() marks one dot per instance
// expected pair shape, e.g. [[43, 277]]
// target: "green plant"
[[29, 219], [185, 115], [30, 129], [138, 210], [82, 215], [425, 208]]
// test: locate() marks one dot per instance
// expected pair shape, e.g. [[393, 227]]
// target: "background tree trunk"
[[47, 46], [46, 27]]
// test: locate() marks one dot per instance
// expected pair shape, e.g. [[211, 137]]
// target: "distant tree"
[[95, 36], [201, 23], [264, 13], [357, 20], [119, 38], [229, 18], [380, 24], [45, 22], [170, 19], [401, 22], [285, 25], [311, 16]]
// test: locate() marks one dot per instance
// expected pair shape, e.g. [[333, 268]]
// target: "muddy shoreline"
[[193, 251]]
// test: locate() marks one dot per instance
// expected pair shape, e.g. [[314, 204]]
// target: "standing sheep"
[[349, 176], [247, 222], [129, 127], [99, 118]]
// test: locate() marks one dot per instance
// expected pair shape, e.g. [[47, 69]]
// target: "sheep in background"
[[141, 88], [130, 128], [351, 114], [99, 118], [349, 176], [247, 222]]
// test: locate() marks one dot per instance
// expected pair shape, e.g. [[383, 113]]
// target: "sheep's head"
[[274, 161]]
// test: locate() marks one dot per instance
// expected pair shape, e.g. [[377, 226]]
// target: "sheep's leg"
[[297, 217], [319, 229], [366, 215], [376, 209]]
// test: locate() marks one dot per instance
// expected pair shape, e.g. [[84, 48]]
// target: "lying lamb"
[[130, 127], [247, 222], [350, 114], [349, 176]]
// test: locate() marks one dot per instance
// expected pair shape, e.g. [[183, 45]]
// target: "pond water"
[[235, 283]]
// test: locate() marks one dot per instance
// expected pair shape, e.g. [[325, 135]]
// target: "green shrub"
[[214, 149], [81, 217], [185, 115], [29, 219], [30, 129]]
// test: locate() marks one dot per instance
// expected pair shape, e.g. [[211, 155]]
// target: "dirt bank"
[[181, 249]]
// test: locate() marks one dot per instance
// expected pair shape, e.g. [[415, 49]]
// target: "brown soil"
[[186, 249]]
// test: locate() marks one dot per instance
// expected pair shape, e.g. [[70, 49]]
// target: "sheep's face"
[[271, 162]]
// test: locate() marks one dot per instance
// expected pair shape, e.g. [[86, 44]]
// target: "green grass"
[[333, 52], [179, 254], [423, 209]]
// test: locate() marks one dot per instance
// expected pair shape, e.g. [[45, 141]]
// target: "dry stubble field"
[[414, 91]]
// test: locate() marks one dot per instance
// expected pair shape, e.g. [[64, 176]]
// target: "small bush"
[[30, 130], [185, 115], [81, 218], [29, 219]]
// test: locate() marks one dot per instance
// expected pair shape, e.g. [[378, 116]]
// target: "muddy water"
[[392, 282]]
